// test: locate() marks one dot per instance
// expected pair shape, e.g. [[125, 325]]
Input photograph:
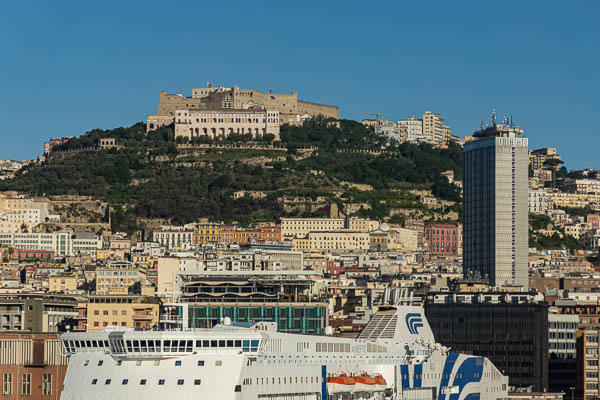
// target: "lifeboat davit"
[[340, 384], [364, 383]]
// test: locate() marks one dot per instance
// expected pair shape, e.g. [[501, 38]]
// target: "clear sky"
[[70, 66]]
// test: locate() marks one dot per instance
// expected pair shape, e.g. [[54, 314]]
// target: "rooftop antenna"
[[481, 125], [494, 116], [270, 89], [511, 121]]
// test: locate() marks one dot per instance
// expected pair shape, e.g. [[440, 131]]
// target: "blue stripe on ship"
[[324, 384], [418, 375], [405, 378], [448, 366], [469, 371]]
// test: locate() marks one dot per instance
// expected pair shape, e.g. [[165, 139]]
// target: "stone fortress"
[[290, 109]]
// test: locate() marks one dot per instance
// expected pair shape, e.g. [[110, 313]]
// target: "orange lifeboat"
[[364, 383], [341, 383], [380, 383]]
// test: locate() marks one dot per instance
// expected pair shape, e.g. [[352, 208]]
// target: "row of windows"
[[7, 384], [143, 382], [181, 346]]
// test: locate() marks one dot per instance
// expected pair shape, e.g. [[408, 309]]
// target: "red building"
[[24, 254], [593, 220], [442, 238], [233, 234]]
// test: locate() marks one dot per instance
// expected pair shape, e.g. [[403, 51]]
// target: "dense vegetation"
[[149, 177], [541, 240]]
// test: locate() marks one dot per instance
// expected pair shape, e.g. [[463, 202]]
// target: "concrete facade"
[[495, 235]]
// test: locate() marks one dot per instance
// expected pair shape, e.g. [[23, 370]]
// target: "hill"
[[151, 176]]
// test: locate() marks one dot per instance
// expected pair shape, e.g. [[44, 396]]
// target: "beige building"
[[223, 122], [333, 241], [402, 239], [291, 110], [124, 311], [574, 200], [62, 283], [20, 211], [362, 225], [433, 127], [118, 277], [300, 227]]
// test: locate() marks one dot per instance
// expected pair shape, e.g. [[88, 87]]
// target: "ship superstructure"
[[395, 357]]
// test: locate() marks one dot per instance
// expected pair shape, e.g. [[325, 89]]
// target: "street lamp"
[[572, 392]]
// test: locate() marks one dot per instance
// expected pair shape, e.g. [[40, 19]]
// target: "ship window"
[[136, 346], [125, 381], [156, 363], [189, 346], [201, 363], [106, 343], [221, 343], [238, 388], [254, 345], [94, 343], [86, 363], [238, 343], [205, 343], [198, 343], [213, 343], [143, 346], [218, 363], [129, 348], [180, 381], [167, 344], [142, 381], [161, 381], [181, 346], [138, 363], [230, 343], [107, 382], [197, 381], [94, 381], [178, 363], [100, 363], [246, 345]]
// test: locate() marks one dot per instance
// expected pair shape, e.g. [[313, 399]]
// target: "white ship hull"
[[230, 362]]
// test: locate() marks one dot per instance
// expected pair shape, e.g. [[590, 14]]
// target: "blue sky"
[[70, 66]]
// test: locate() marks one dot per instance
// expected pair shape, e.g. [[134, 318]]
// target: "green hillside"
[[151, 176]]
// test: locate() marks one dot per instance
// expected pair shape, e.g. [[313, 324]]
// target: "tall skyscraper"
[[495, 206]]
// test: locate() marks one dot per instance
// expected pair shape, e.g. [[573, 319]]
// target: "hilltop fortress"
[[290, 109]]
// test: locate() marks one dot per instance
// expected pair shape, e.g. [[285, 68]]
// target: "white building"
[[538, 201], [414, 129], [60, 243]]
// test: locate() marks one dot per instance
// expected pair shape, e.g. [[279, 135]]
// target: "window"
[[142, 381], [180, 381], [178, 363], [197, 381], [238, 388], [46, 384], [26, 384], [218, 363], [100, 363], [94, 381], [86, 363], [161, 381], [125, 381], [7, 384], [107, 382], [201, 363]]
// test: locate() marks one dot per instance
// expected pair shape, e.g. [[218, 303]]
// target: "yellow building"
[[143, 261], [124, 311], [299, 227], [62, 283], [208, 232], [362, 225]]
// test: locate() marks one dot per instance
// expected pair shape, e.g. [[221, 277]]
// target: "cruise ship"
[[394, 357]]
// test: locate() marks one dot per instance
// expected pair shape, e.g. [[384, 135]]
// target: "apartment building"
[[562, 351], [300, 227], [174, 237], [208, 232], [442, 238], [60, 243], [132, 311], [538, 201], [62, 283], [433, 127], [35, 312], [588, 362], [333, 240], [118, 277], [573, 200], [224, 122], [414, 129]]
